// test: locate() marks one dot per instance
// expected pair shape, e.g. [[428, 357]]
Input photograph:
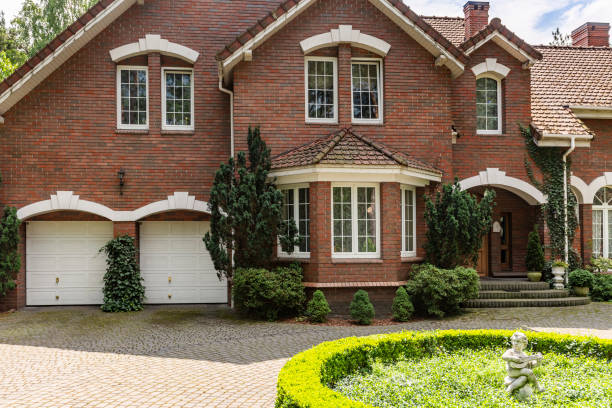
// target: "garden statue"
[[521, 380]]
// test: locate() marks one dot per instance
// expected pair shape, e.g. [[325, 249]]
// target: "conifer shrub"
[[361, 308], [318, 308], [534, 260], [402, 305]]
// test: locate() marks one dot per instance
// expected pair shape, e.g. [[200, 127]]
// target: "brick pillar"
[[495, 253], [320, 229], [154, 63], [16, 298], [586, 231], [390, 222], [344, 85]]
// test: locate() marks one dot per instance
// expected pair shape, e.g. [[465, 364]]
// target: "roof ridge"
[[332, 143], [445, 17], [572, 47], [304, 145], [380, 147]]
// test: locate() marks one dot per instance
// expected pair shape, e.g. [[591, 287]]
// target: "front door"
[[505, 241], [483, 257]]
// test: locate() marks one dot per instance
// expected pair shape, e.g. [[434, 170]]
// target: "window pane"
[[366, 224], [178, 98], [597, 233], [133, 97], [342, 216], [408, 220], [304, 219], [366, 101], [487, 110], [320, 89]]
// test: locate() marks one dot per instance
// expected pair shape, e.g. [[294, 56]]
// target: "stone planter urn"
[[558, 273], [534, 276], [579, 291]]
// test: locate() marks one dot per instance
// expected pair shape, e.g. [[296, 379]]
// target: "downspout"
[[231, 95], [566, 248]]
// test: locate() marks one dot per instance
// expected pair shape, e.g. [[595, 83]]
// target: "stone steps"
[[523, 294], [552, 302], [512, 285]]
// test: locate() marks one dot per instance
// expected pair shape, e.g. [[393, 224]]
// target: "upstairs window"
[[296, 207], [488, 105], [366, 91], [132, 95], [177, 96], [321, 90]]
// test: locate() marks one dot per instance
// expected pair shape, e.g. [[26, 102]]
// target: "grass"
[[475, 379]]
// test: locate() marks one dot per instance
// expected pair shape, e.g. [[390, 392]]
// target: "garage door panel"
[[63, 263], [175, 249]]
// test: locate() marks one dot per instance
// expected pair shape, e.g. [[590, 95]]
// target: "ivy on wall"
[[550, 162], [10, 260]]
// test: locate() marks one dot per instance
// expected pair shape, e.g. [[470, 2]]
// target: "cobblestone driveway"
[[193, 356]]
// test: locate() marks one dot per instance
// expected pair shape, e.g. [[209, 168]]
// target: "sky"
[[532, 20]]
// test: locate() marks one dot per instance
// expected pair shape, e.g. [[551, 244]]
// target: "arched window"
[[602, 223], [488, 105]]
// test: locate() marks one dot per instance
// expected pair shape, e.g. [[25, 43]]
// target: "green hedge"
[[305, 380]]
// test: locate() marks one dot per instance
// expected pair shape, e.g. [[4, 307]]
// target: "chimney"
[[591, 35], [476, 17]]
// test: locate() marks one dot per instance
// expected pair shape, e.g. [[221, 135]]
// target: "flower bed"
[[306, 380]]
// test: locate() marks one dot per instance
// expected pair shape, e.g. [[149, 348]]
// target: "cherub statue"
[[520, 376]]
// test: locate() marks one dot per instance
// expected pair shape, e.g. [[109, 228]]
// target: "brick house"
[[118, 125]]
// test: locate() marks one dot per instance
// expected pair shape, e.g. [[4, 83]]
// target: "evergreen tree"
[[10, 259], [456, 223], [246, 217], [534, 260], [560, 39]]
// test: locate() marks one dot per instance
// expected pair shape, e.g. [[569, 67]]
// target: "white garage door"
[[63, 266], [175, 264]]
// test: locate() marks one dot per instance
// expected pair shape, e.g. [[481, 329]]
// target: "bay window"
[[602, 223], [366, 84], [132, 97], [488, 106], [321, 82], [355, 221], [408, 222], [177, 99], [296, 207]]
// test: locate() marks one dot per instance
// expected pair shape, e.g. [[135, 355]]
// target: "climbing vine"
[[10, 260], [550, 162]]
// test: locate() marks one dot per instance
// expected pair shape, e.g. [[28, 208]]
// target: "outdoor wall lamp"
[[121, 175]]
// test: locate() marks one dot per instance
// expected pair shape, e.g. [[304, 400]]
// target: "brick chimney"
[[476, 17], [591, 35]]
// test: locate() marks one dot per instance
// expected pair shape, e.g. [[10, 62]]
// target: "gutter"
[[231, 95], [565, 155]]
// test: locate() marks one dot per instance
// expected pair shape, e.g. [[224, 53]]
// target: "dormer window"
[[488, 105]]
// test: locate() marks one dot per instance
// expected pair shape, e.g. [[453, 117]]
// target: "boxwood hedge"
[[306, 379]]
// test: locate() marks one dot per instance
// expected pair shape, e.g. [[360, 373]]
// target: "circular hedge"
[[306, 379]]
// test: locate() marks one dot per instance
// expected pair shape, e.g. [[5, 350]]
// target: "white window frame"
[[605, 210], [334, 61], [381, 104], [177, 70], [497, 131], [405, 253], [354, 229], [295, 188], [118, 87]]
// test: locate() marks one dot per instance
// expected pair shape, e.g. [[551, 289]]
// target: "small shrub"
[[402, 306], [535, 254], [580, 278], [318, 308], [438, 292], [602, 288], [559, 263], [123, 290], [361, 308], [268, 294]]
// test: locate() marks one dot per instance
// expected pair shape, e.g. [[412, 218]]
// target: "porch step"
[[514, 285], [552, 302], [523, 294]]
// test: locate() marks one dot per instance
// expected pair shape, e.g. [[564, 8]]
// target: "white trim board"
[[154, 43], [496, 178], [345, 34]]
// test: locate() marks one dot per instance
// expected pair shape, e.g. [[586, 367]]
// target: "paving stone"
[[200, 356]]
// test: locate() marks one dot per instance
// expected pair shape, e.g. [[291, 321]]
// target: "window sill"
[[412, 259], [177, 132], [356, 260], [373, 123], [133, 131], [489, 133], [315, 122]]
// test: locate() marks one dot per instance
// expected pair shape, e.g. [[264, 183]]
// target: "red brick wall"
[[592, 162]]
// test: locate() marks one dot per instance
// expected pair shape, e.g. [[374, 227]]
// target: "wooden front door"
[[483, 257], [505, 244]]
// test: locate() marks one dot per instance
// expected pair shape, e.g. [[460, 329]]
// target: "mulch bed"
[[345, 321]]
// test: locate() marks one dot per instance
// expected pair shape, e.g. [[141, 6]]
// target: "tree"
[[456, 224], [246, 217], [534, 260], [560, 39]]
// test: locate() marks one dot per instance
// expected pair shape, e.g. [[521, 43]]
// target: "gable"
[[242, 47]]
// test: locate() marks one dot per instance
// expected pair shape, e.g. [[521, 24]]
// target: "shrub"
[[123, 290], [601, 264], [602, 288], [318, 308], [574, 260], [456, 223], [361, 308], [10, 259], [402, 306], [580, 278], [305, 380], [268, 294], [535, 254], [438, 292]]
